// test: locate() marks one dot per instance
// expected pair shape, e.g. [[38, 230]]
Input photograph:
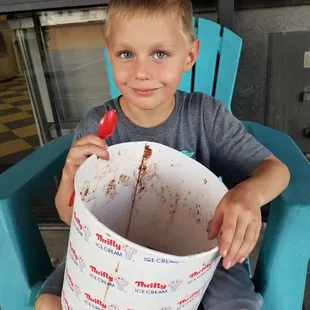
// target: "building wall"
[[253, 27]]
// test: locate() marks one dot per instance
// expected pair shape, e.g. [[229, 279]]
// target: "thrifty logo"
[[185, 301], [197, 274], [109, 242]]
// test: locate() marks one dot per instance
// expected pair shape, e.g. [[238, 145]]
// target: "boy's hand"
[[238, 218], [81, 150]]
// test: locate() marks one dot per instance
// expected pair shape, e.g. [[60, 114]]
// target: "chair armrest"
[[37, 168], [23, 256], [281, 270]]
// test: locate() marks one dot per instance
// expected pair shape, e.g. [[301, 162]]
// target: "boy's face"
[[148, 56]]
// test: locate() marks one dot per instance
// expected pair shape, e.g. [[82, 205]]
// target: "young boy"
[[150, 43]]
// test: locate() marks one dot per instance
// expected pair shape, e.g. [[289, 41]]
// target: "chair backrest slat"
[[205, 68], [228, 67]]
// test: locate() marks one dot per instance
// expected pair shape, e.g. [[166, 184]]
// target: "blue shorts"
[[228, 290]]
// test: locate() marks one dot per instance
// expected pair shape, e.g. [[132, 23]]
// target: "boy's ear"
[[192, 55]]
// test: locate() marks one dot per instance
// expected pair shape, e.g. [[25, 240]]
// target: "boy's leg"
[[50, 292], [231, 290]]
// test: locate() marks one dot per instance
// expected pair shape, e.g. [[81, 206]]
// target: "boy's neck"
[[148, 118]]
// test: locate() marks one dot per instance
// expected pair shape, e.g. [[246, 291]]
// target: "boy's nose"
[[142, 71]]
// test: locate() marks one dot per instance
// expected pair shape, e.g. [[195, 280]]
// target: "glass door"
[[63, 59]]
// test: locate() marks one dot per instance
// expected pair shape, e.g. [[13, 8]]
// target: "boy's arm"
[[237, 156], [238, 215], [268, 180], [79, 152]]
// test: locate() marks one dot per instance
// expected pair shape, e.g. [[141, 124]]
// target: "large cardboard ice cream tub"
[[138, 237]]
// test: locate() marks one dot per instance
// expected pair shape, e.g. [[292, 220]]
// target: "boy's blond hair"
[[181, 9]]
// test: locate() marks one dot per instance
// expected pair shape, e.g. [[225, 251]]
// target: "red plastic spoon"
[[106, 128], [107, 124]]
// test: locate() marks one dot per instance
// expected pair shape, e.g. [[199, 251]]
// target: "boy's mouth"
[[145, 91]]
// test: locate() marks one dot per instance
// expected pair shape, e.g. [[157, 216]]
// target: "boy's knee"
[[48, 302]]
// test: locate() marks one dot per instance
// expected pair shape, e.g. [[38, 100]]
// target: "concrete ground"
[[56, 242]]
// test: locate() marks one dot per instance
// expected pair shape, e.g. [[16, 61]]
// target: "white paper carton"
[[138, 237]]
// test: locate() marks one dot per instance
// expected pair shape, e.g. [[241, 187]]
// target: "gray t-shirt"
[[199, 126]]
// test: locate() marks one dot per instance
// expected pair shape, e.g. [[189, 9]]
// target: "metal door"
[[288, 85]]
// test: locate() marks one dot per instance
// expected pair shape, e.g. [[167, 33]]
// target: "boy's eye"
[[160, 55], [125, 55]]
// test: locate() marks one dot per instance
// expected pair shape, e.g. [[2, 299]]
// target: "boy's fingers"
[[79, 161], [78, 154], [216, 224], [228, 232], [256, 231], [87, 150], [252, 246], [237, 241], [92, 139], [106, 156], [86, 139], [247, 243]]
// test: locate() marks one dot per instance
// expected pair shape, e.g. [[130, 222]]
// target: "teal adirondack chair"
[[282, 265]]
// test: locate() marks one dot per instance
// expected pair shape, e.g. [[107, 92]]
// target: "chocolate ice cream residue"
[[111, 189], [147, 152], [142, 171], [124, 180]]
